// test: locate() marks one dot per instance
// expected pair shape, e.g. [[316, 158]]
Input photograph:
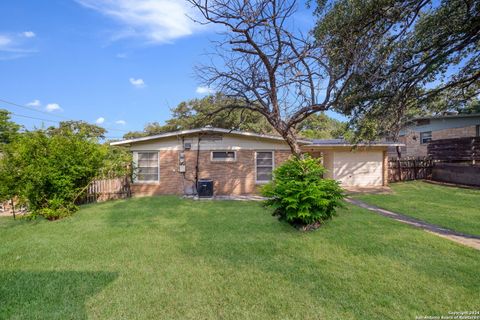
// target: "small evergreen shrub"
[[300, 195]]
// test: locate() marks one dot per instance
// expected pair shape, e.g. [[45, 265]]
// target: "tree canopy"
[[264, 64], [321, 126], [198, 113], [8, 129], [408, 58], [48, 168]]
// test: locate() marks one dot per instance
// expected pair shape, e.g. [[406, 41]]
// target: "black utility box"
[[205, 188]]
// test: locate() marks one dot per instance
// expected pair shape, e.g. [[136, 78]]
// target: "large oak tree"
[[423, 57], [264, 65]]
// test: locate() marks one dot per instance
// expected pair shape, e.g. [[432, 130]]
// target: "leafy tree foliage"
[[48, 168], [78, 128], [198, 113], [472, 106], [405, 54], [300, 195], [321, 126], [8, 129]]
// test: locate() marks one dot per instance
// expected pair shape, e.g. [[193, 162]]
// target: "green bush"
[[300, 195], [49, 168], [53, 214]]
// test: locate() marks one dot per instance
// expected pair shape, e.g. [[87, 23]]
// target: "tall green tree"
[[405, 55], [203, 112], [199, 113], [8, 129], [321, 126], [78, 128]]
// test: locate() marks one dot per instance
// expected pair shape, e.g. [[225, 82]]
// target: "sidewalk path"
[[465, 239]]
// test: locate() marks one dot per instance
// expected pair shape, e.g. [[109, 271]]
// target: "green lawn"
[[449, 207], [167, 258]]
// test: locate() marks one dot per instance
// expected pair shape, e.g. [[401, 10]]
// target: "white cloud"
[[29, 34], [34, 103], [53, 107], [13, 46], [137, 83], [121, 55], [157, 21], [100, 120], [204, 90], [121, 122], [5, 41]]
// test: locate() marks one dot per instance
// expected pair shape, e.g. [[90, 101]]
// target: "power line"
[[34, 118], [49, 114], [32, 109], [53, 121]]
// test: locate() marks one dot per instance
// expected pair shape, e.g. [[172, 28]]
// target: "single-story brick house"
[[238, 162]]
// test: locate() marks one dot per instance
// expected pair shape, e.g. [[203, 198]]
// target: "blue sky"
[[119, 63]]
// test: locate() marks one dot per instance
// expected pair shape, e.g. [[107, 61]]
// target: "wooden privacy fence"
[[455, 150], [409, 169], [104, 189]]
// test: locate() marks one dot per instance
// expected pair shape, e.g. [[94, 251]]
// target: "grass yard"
[[449, 207], [168, 258]]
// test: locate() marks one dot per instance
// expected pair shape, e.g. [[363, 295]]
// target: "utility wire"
[[32, 109], [49, 114], [34, 118], [52, 121]]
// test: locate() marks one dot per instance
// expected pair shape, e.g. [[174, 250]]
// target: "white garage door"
[[359, 169]]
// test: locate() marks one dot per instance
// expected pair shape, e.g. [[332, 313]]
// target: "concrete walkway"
[[462, 238]]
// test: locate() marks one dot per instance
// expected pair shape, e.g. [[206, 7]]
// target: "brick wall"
[[414, 147], [454, 133], [236, 177]]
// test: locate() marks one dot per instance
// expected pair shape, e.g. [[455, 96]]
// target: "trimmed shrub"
[[300, 195]]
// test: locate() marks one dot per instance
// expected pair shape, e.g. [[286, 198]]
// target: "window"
[[224, 156], [264, 166], [478, 130], [425, 137], [147, 167]]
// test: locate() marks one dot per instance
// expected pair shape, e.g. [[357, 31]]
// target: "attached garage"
[[364, 165], [362, 169]]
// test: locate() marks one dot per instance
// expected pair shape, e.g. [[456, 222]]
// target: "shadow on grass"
[[354, 247], [49, 294]]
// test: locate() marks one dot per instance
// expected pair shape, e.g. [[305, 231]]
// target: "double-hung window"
[[264, 166], [147, 167]]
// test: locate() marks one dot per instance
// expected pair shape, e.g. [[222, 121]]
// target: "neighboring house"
[[239, 162], [419, 131]]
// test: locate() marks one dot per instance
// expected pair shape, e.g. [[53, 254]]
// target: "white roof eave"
[[356, 145], [200, 130]]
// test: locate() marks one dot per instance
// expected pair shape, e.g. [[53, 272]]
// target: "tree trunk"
[[292, 141]]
